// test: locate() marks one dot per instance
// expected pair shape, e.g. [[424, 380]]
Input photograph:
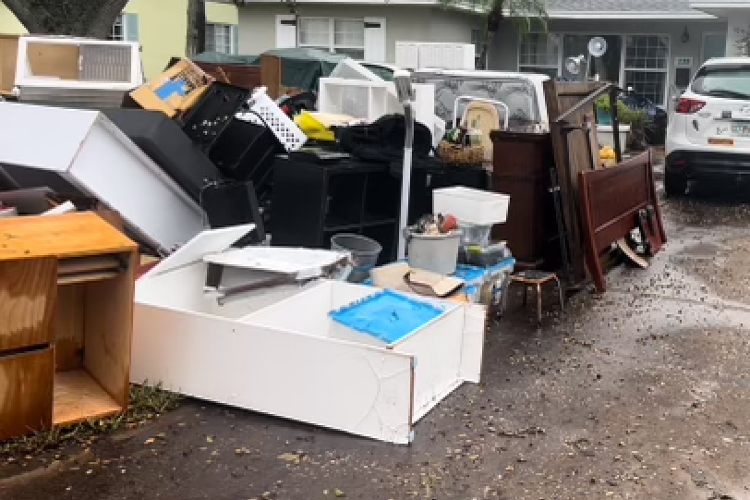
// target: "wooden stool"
[[533, 278]]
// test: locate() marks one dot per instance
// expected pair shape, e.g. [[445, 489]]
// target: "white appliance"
[[77, 72]]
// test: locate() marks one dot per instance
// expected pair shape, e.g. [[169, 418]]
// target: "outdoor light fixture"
[[685, 35], [405, 94]]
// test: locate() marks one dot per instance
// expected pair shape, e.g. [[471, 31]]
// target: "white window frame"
[[705, 35], [121, 19], [332, 34], [558, 67], [232, 28], [667, 70]]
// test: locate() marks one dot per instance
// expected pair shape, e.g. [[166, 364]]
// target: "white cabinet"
[[279, 352]]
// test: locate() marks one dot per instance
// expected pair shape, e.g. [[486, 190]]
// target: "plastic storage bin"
[[437, 253], [475, 235], [471, 206], [364, 252]]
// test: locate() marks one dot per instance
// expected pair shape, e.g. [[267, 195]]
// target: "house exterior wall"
[[257, 23], [160, 27], [504, 50]]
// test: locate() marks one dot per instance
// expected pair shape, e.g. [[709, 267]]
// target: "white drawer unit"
[[279, 351]]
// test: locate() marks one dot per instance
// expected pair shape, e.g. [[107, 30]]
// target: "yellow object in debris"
[[313, 128], [607, 153]]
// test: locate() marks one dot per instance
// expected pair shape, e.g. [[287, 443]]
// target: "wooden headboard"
[[611, 199]]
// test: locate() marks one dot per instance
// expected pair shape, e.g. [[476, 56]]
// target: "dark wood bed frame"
[[611, 199]]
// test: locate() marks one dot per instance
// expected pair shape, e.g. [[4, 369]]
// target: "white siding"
[[424, 24]]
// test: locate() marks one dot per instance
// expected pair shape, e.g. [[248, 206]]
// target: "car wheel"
[[675, 185]]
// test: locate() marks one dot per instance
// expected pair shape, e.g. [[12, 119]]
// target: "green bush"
[[624, 113]]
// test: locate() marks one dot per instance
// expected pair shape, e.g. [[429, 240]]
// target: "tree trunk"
[[84, 18], [196, 26]]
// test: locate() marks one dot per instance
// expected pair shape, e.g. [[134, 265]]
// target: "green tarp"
[[218, 58], [300, 67]]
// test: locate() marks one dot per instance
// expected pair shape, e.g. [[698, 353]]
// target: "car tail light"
[[689, 106]]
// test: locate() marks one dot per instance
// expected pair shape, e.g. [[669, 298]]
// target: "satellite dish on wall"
[[573, 64], [597, 46]]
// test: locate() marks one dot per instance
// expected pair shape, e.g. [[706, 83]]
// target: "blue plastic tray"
[[387, 316]]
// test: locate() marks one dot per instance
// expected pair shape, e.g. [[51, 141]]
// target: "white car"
[[709, 132]]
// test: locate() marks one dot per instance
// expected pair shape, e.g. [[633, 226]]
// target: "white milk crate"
[[288, 133]]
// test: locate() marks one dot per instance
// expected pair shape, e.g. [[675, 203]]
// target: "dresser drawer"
[[28, 292]]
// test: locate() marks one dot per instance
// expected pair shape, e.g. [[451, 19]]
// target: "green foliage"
[[624, 113], [146, 403], [527, 15]]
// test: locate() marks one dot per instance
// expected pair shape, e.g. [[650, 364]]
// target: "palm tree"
[[523, 13]]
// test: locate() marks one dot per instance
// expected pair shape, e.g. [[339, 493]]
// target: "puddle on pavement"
[[701, 250]]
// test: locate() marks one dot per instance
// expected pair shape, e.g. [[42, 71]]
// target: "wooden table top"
[[64, 236]]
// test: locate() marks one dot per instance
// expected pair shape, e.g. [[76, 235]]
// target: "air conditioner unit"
[[76, 72]]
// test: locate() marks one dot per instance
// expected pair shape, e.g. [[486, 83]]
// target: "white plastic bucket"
[[434, 252]]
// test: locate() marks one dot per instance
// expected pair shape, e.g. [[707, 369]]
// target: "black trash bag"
[[383, 140]]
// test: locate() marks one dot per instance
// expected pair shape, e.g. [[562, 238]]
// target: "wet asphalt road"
[[641, 393]]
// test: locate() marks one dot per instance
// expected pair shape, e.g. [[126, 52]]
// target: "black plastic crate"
[[212, 114], [245, 152]]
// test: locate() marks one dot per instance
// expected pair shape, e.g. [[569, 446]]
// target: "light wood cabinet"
[[66, 316]]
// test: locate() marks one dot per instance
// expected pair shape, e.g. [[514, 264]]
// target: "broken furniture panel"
[[8, 57], [611, 203], [89, 156], [66, 290], [278, 351], [572, 152]]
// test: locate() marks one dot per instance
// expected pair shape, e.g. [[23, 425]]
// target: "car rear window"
[[723, 81]]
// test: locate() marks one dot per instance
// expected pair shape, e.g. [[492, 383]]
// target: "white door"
[[286, 31], [375, 49]]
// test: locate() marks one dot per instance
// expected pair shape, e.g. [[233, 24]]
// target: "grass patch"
[[146, 403]]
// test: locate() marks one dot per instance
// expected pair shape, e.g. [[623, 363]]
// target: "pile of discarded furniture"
[[200, 235]]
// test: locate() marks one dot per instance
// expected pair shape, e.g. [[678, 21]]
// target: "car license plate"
[[721, 141], [741, 129]]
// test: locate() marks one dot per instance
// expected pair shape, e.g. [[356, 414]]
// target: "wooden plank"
[[28, 290], [8, 57], [86, 277], [70, 235], [571, 158], [77, 397], [26, 393], [108, 316], [95, 263], [270, 74], [54, 61], [69, 327]]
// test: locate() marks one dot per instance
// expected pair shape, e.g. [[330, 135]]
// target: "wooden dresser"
[[66, 321]]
